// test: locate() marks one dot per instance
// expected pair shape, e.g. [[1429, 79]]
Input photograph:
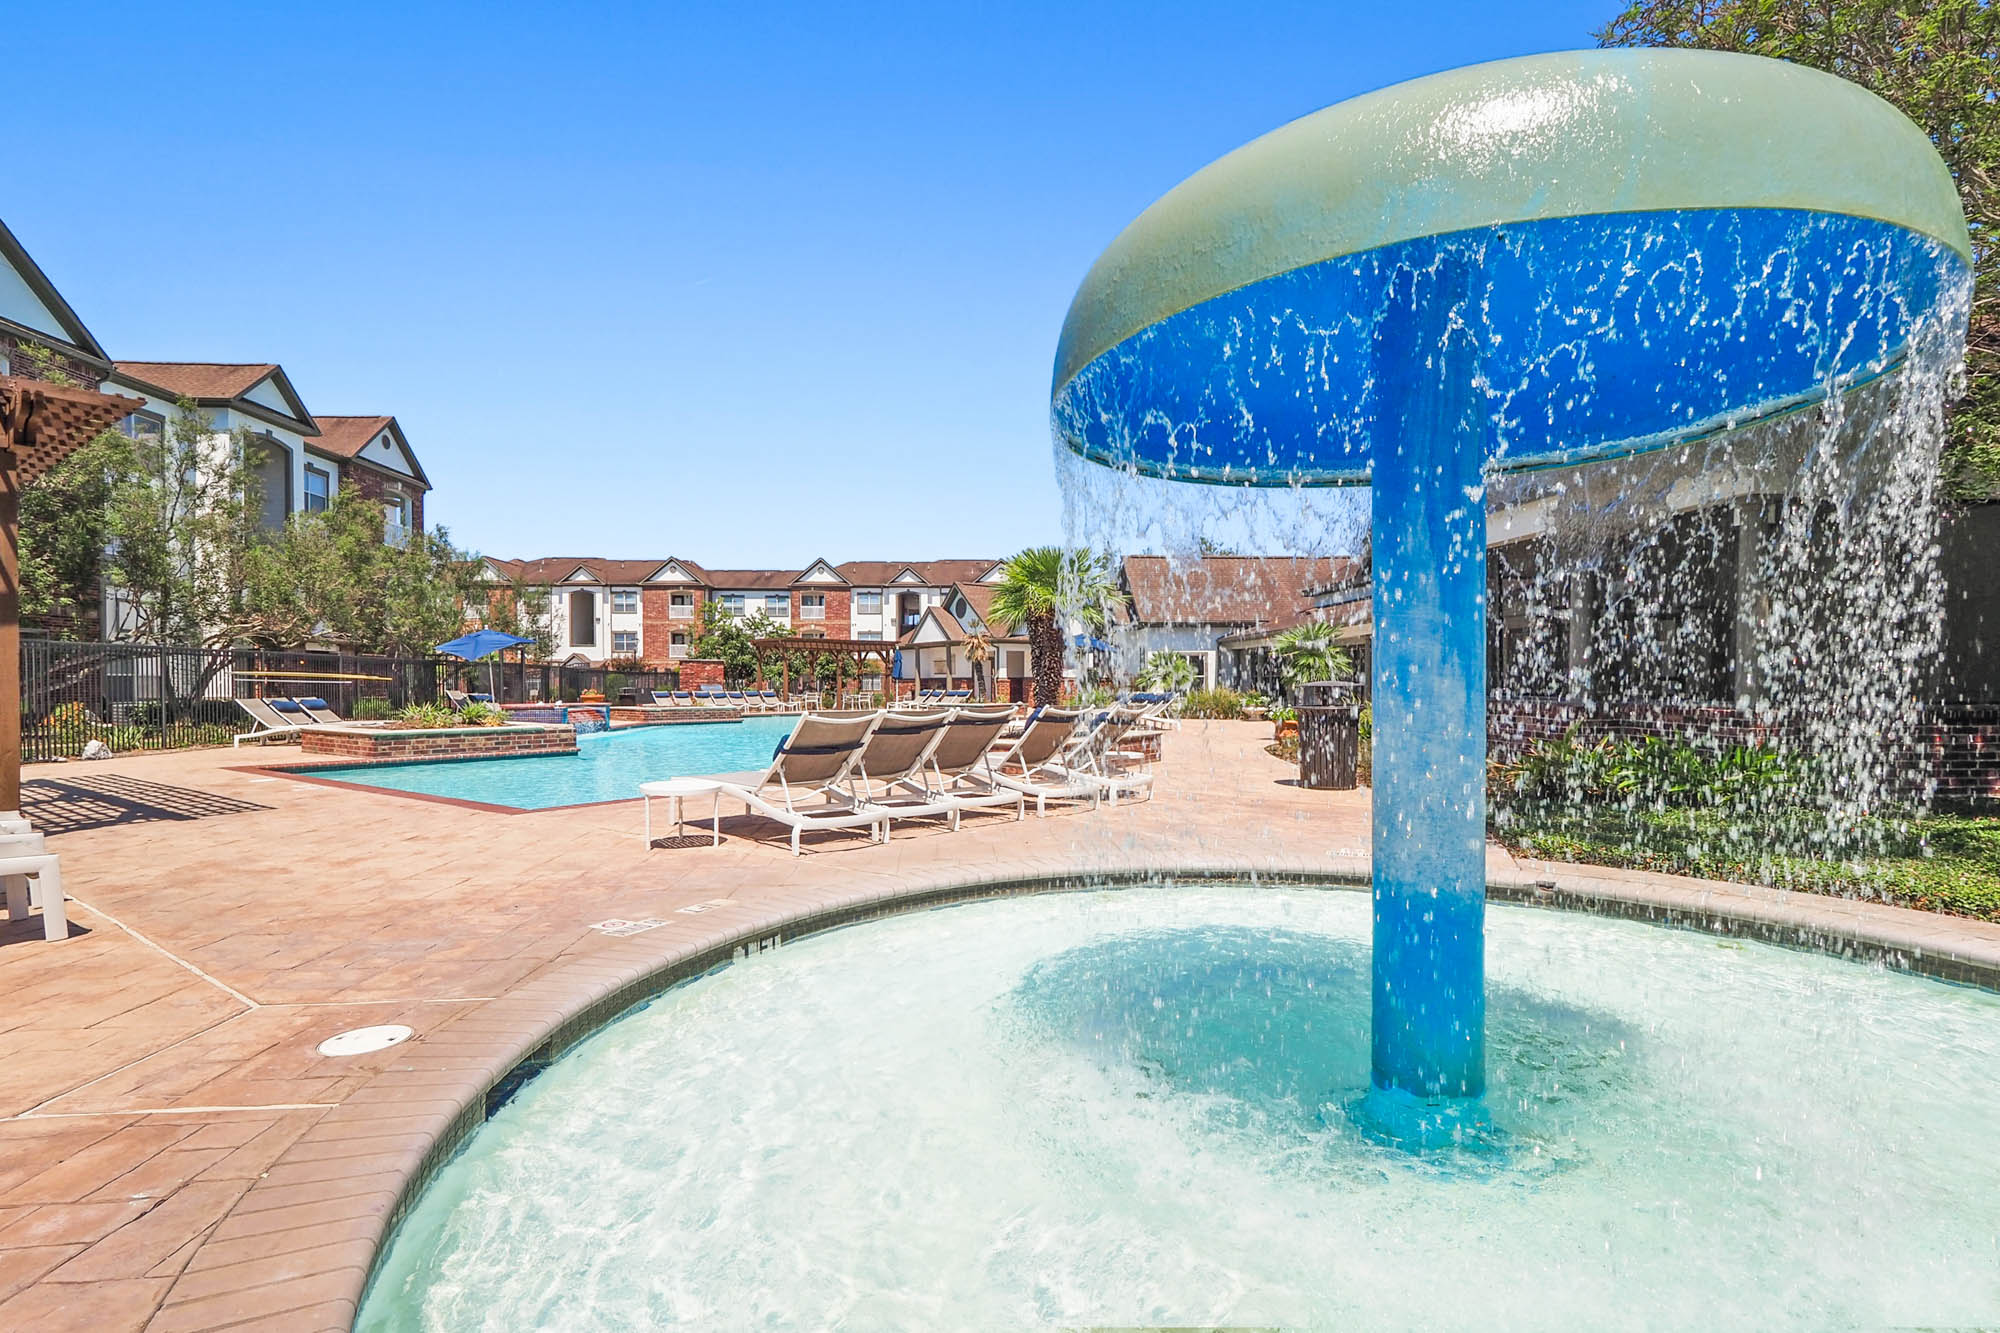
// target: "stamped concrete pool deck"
[[176, 1155]]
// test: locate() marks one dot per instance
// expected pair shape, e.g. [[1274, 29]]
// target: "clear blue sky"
[[738, 283]]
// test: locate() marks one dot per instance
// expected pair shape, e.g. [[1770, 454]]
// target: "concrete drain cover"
[[361, 1041]]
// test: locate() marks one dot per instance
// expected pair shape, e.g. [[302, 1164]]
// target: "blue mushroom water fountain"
[[1536, 263]]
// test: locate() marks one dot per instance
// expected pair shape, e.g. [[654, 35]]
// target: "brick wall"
[[839, 622], [1961, 749], [455, 743], [375, 484], [657, 626], [700, 672], [1956, 747]]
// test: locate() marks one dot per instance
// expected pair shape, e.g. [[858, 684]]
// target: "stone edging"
[[369, 1159]]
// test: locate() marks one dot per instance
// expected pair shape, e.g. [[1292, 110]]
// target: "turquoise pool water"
[[1125, 1109], [608, 766]]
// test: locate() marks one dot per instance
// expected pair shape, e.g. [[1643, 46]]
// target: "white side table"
[[676, 788]]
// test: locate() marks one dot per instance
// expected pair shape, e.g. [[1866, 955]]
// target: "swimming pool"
[[608, 766]]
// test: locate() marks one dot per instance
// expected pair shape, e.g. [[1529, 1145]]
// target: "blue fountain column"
[[1429, 664]]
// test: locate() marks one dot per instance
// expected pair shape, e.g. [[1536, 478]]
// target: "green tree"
[[65, 514], [1165, 670], [525, 609], [1938, 62], [66, 526], [330, 576], [1041, 587], [1310, 652], [183, 516], [728, 639]]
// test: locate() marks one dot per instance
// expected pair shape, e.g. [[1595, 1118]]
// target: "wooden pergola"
[[843, 651], [41, 424]]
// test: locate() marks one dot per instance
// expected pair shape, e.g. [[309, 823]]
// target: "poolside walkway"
[[176, 1155]]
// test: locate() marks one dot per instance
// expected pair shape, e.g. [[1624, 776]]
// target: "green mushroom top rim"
[[1567, 134]]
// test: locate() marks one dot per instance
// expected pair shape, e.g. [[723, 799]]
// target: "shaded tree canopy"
[[1938, 62]]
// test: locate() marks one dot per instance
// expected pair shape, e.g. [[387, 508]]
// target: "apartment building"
[[651, 611]]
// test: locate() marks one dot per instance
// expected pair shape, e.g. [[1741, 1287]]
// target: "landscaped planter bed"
[[383, 743]]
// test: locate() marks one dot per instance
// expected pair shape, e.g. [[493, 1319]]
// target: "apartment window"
[[732, 602], [680, 605], [624, 601], [624, 643], [868, 603], [777, 605], [319, 488], [396, 520], [143, 426], [582, 619], [872, 635], [812, 606], [677, 644]]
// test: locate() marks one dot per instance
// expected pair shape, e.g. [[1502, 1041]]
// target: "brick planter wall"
[[446, 743]]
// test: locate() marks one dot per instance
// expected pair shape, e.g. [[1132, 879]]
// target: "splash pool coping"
[[414, 1117]]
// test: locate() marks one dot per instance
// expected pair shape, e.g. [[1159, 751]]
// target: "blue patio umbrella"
[[481, 643], [1096, 645]]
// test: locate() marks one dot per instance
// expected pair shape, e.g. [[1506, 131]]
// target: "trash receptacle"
[[1329, 736]]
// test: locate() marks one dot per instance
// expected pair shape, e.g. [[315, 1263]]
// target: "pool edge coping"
[[428, 1105]]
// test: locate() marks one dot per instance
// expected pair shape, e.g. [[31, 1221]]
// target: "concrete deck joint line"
[[165, 952]]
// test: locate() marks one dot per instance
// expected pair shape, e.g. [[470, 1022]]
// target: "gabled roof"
[[553, 569], [1224, 589], [949, 630], [349, 437], [748, 580], [929, 573], [44, 291], [218, 383], [674, 570], [812, 572], [980, 597]]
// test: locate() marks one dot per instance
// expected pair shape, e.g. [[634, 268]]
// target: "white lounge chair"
[[271, 724], [810, 783], [1038, 755], [319, 711], [889, 775], [961, 775], [1094, 756]]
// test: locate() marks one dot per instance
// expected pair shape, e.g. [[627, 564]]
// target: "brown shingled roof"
[[737, 580], [935, 573], [980, 596], [198, 379], [346, 437], [1225, 590]]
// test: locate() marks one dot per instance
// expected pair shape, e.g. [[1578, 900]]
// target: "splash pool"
[[1122, 1107], [608, 766]]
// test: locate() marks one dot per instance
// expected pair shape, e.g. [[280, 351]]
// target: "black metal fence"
[[152, 697]]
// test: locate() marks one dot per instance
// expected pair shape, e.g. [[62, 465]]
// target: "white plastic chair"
[[23, 857]]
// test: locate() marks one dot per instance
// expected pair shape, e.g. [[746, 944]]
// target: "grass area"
[[1941, 863]]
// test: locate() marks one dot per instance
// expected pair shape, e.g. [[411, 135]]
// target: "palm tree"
[[1037, 589], [1310, 652], [979, 651], [1166, 670]]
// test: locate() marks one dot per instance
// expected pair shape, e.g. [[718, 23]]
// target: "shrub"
[[418, 717], [1220, 702], [1650, 772], [482, 715], [372, 710]]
